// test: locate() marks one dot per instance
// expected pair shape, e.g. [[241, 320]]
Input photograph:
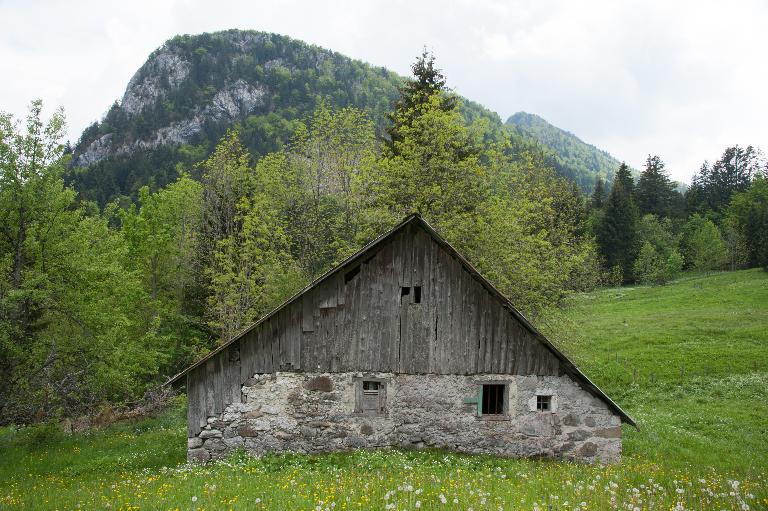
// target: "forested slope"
[[191, 89]]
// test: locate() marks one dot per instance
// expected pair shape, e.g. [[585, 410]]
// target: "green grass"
[[688, 361]]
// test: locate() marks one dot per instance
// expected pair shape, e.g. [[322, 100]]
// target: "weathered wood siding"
[[358, 320]]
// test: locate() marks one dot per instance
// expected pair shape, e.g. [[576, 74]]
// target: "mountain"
[[574, 158], [195, 87]]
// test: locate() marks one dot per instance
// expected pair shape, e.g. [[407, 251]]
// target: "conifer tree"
[[598, 194], [431, 165], [655, 193], [427, 81], [624, 175], [617, 230]]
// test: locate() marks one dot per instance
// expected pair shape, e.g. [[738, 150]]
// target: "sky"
[[680, 79]]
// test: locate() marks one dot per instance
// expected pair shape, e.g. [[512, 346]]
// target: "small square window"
[[544, 403], [493, 399], [371, 397]]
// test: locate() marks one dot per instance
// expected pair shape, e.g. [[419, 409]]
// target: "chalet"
[[403, 344]]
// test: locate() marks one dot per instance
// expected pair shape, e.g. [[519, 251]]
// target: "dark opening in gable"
[[351, 274]]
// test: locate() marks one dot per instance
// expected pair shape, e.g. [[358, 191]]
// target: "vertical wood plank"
[[193, 413]]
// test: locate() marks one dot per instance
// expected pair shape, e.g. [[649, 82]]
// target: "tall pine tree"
[[655, 193], [427, 81], [598, 194], [617, 230]]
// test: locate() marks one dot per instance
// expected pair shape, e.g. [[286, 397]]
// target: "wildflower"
[[455, 500], [418, 504], [194, 498], [443, 499], [258, 500]]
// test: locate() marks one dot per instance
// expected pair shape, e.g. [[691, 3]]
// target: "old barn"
[[403, 344]]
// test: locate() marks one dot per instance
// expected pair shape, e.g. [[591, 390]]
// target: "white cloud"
[[681, 79]]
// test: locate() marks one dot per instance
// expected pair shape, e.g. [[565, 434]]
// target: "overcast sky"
[[679, 79]]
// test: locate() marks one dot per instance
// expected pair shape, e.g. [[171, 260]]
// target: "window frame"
[[358, 384], [505, 400], [544, 398]]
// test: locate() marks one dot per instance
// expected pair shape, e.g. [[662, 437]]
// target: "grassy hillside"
[[689, 361]]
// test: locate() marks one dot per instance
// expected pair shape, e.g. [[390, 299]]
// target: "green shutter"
[[476, 400]]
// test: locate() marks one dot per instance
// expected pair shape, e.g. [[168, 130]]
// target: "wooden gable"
[[364, 316]]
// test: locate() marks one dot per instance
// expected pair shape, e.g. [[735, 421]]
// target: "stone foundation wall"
[[311, 413]]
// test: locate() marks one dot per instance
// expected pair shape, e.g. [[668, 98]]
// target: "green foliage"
[[433, 169], [655, 193], [747, 217], [73, 327], [162, 242], [652, 266], [251, 271], [321, 199], [427, 85], [675, 264], [703, 246], [649, 267], [598, 194], [714, 185]]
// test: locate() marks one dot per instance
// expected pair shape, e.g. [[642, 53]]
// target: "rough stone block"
[[614, 432], [588, 450], [210, 433], [198, 455], [320, 384], [194, 443]]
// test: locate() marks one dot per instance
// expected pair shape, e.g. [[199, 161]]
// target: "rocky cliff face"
[[165, 73]]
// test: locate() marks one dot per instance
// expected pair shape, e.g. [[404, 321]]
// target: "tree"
[[748, 216], [617, 231], [706, 246], [653, 267], [598, 194], [434, 168], [731, 173], [427, 81], [73, 330], [528, 236], [649, 267], [162, 237], [655, 193], [624, 176], [252, 270], [227, 178], [324, 161], [431, 164]]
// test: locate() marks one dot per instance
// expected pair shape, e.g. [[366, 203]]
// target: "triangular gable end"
[[495, 338]]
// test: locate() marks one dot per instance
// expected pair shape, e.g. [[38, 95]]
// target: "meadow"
[[689, 361]]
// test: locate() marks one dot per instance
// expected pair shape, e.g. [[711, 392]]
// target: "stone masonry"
[[310, 413]]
